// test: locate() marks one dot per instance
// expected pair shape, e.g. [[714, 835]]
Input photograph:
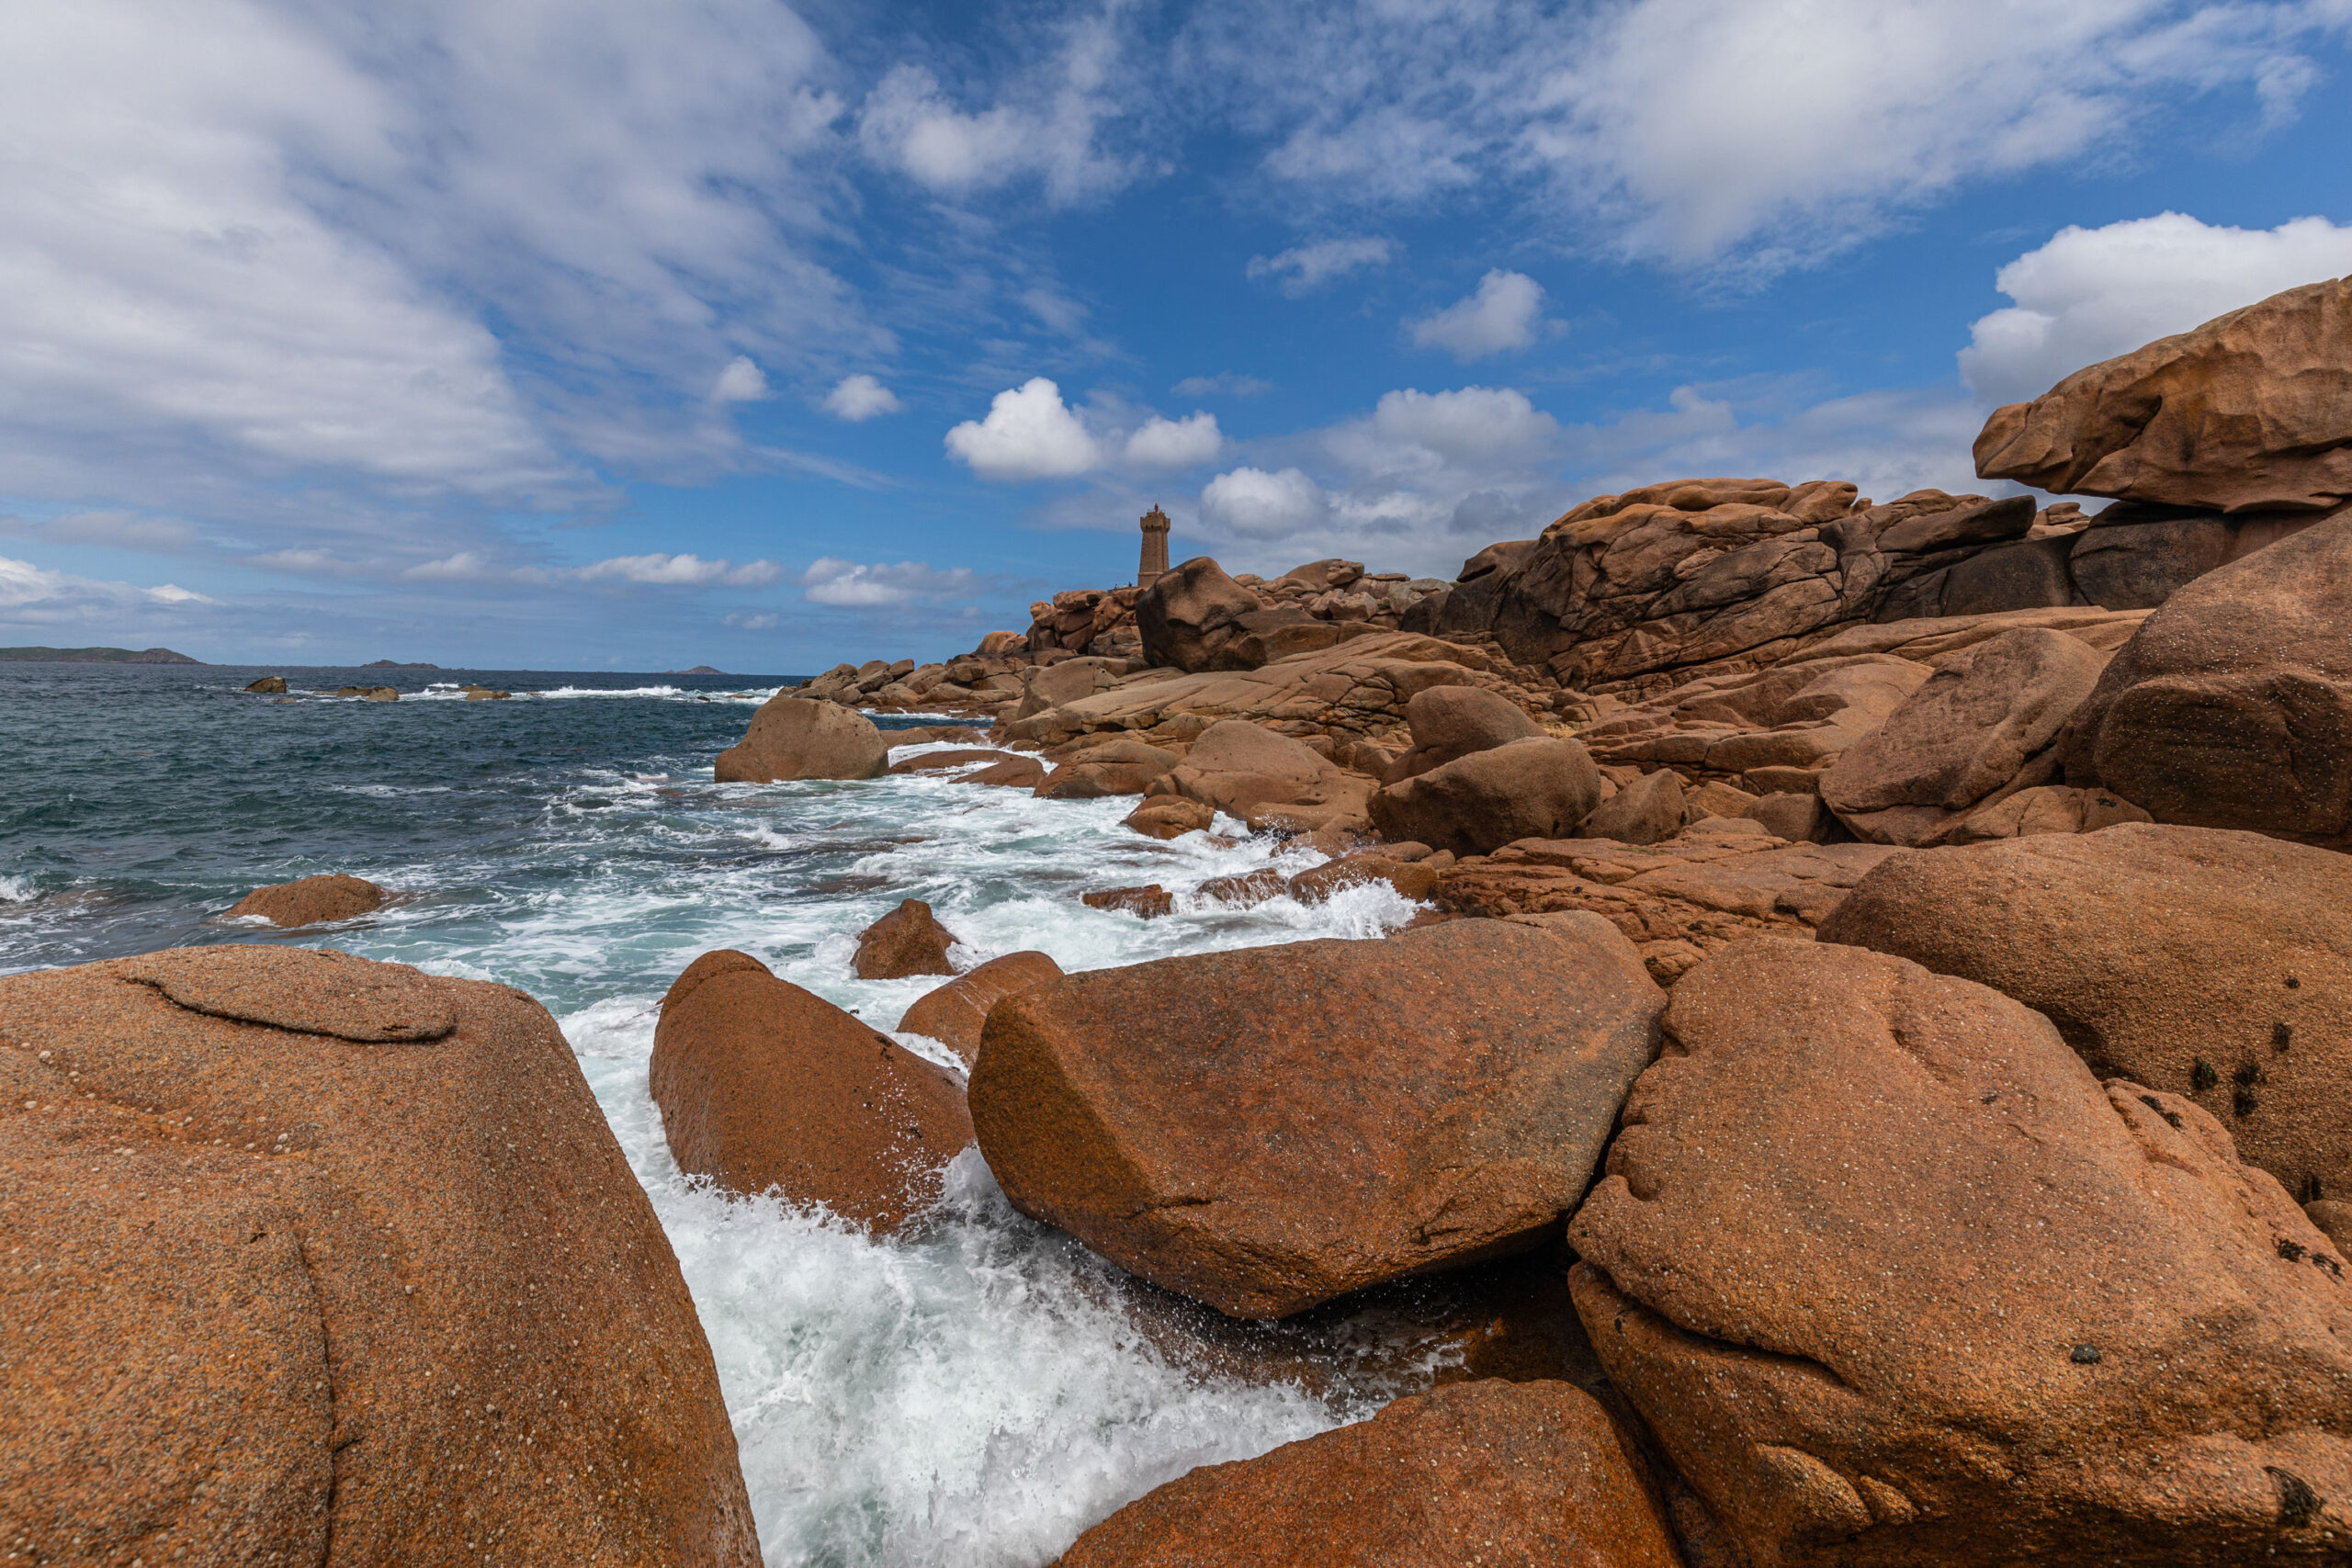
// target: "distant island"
[[697, 670], [395, 664], [95, 656]]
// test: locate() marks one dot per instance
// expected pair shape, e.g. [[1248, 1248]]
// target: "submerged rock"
[[317, 1259], [310, 900], [804, 738], [1478, 1472], [1147, 902], [1896, 1281], [1168, 817], [763, 1085], [269, 685], [1269, 1128]]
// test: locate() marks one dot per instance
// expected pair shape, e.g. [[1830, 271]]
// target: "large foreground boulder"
[[2211, 964], [1513, 1474], [954, 1013], [763, 1085], [804, 738], [2251, 411], [2231, 707], [310, 901], [1267, 1129], [312, 1259], [1895, 1280], [1528, 789]]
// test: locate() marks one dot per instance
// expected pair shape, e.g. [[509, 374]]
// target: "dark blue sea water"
[[972, 1393]]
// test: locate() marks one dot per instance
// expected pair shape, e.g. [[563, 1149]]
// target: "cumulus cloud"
[[860, 398], [1305, 268], [830, 580], [2090, 294], [28, 592], [1161, 443], [740, 382], [1470, 425], [1500, 316], [1029, 434], [1255, 505], [1226, 385], [679, 570]]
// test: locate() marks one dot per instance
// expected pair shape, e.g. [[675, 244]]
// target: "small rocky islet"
[[1888, 961]]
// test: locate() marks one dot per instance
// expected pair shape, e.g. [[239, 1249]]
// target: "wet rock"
[[1116, 767], [1015, 772], [1170, 817], [2216, 965], [763, 1085], [1894, 1280], [2231, 707], [948, 762], [310, 900], [313, 1259], [1369, 1110], [269, 685], [1245, 770], [954, 1013], [1528, 789], [1410, 879], [907, 941], [1643, 812], [803, 737], [1450, 722], [1147, 902], [1245, 888], [1487, 1472]]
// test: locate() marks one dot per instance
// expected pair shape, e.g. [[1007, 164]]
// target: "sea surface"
[[975, 1392]]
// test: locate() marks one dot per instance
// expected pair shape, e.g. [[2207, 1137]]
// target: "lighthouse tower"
[[1155, 547]]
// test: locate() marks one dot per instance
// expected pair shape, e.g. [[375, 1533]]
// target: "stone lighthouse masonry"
[[1155, 547]]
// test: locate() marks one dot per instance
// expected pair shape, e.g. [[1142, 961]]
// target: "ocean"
[[975, 1392]]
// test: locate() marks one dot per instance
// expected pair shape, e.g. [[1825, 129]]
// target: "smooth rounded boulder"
[[954, 1013], [1526, 789], [310, 901], [2232, 704], [1512, 1474], [765, 1087], [908, 941], [1245, 770], [2211, 964], [315, 1259], [804, 738], [1266, 1128], [1189, 615], [1895, 1280], [1447, 722]]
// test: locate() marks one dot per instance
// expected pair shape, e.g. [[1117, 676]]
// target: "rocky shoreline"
[[1879, 1000]]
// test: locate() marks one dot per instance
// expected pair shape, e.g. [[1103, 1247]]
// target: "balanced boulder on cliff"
[[314, 1259], [802, 738], [1268, 1128], [765, 1086], [1895, 1280]]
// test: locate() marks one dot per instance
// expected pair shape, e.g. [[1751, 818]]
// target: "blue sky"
[[581, 333]]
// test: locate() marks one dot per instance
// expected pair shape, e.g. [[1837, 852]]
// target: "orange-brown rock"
[[1115, 767], [954, 1013], [793, 736], [946, 761], [1447, 722], [907, 941], [310, 900], [1245, 770], [1245, 888], [2211, 964], [1269, 1128], [1511, 1474], [1168, 817], [1526, 789], [1148, 902], [313, 1259], [2251, 411], [765, 1087], [1019, 773], [1895, 1280], [1411, 879]]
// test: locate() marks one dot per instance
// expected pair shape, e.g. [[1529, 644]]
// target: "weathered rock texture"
[[1896, 1281], [1268, 1128], [1238, 768], [793, 736], [2252, 411], [310, 900], [954, 1013], [907, 941], [312, 1259], [763, 1085], [1513, 1474], [1450, 722], [1528, 789], [2231, 707], [2210, 964]]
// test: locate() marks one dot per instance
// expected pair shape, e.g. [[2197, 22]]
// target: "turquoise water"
[[973, 1392]]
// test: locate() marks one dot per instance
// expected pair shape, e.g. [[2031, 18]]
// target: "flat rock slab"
[[1895, 1280], [310, 992], [1510, 1474], [1267, 1129]]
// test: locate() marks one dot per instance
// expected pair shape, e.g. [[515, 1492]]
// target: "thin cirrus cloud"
[[2090, 294], [1029, 433], [1227, 384], [1502, 314], [859, 398], [657, 569], [1303, 269]]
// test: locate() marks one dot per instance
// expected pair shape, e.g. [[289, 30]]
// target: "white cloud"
[[740, 382], [830, 580], [111, 530], [1305, 269], [1255, 505], [25, 587], [1161, 443], [860, 398], [2090, 294], [744, 620], [1226, 385], [1475, 425], [686, 570], [1029, 434], [1502, 315]]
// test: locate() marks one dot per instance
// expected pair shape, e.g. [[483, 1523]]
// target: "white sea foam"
[[18, 890]]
